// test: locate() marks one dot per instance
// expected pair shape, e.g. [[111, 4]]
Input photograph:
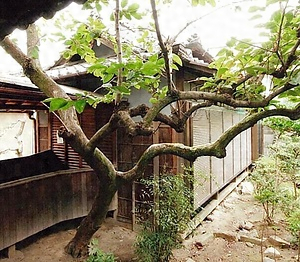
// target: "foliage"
[[294, 222], [287, 150], [97, 255], [276, 176], [171, 212], [266, 183], [283, 125]]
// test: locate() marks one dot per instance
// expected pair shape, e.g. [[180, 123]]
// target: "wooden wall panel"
[[32, 204], [208, 125], [202, 165]]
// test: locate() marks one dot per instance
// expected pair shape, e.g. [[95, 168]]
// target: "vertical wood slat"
[[208, 125], [229, 159], [201, 131], [217, 165], [32, 204]]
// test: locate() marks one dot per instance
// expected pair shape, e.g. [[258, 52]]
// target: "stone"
[[248, 244], [272, 252], [204, 238], [13, 253], [246, 225], [267, 259], [254, 233], [296, 257], [209, 218], [246, 188], [190, 260], [253, 240], [278, 242], [227, 236]]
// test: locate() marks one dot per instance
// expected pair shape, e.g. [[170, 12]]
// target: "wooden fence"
[[32, 204]]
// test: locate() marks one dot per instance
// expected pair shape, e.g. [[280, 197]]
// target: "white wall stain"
[[16, 135]]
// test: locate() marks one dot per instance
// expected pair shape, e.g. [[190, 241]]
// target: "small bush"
[[266, 184], [171, 211], [97, 255]]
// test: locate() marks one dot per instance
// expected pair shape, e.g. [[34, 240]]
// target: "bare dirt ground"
[[202, 246]]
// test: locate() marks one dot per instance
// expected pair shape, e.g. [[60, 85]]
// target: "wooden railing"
[[30, 205]]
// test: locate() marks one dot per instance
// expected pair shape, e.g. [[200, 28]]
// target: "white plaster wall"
[[16, 135]]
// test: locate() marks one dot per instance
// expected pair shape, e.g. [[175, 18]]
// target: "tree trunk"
[[77, 247]]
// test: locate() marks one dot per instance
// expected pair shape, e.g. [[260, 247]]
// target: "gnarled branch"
[[217, 148]]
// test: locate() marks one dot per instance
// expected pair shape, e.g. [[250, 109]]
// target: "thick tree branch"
[[157, 107], [229, 100], [151, 113], [216, 149], [42, 80], [105, 130]]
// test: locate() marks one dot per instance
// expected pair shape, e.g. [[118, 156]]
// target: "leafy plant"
[[266, 185], [294, 226], [171, 211], [287, 151], [97, 255]]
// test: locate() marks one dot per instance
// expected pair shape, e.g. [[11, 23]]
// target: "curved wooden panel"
[[30, 205]]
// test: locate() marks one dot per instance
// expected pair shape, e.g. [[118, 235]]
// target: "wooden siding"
[[33, 204], [90, 120], [211, 173]]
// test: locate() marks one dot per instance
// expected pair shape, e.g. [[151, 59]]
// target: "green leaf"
[[269, 2], [107, 78], [80, 105], [221, 71], [257, 16], [176, 59], [153, 58], [212, 2], [231, 42], [149, 68], [175, 67], [198, 2], [124, 3], [137, 16], [122, 89], [56, 103], [112, 17], [34, 52], [255, 8], [133, 8], [153, 100], [295, 80]]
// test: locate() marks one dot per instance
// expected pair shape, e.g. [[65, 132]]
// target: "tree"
[[237, 83]]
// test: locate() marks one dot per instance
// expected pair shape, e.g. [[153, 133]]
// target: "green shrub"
[[294, 223], [97, 255], [171, 213], [266, 185]]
